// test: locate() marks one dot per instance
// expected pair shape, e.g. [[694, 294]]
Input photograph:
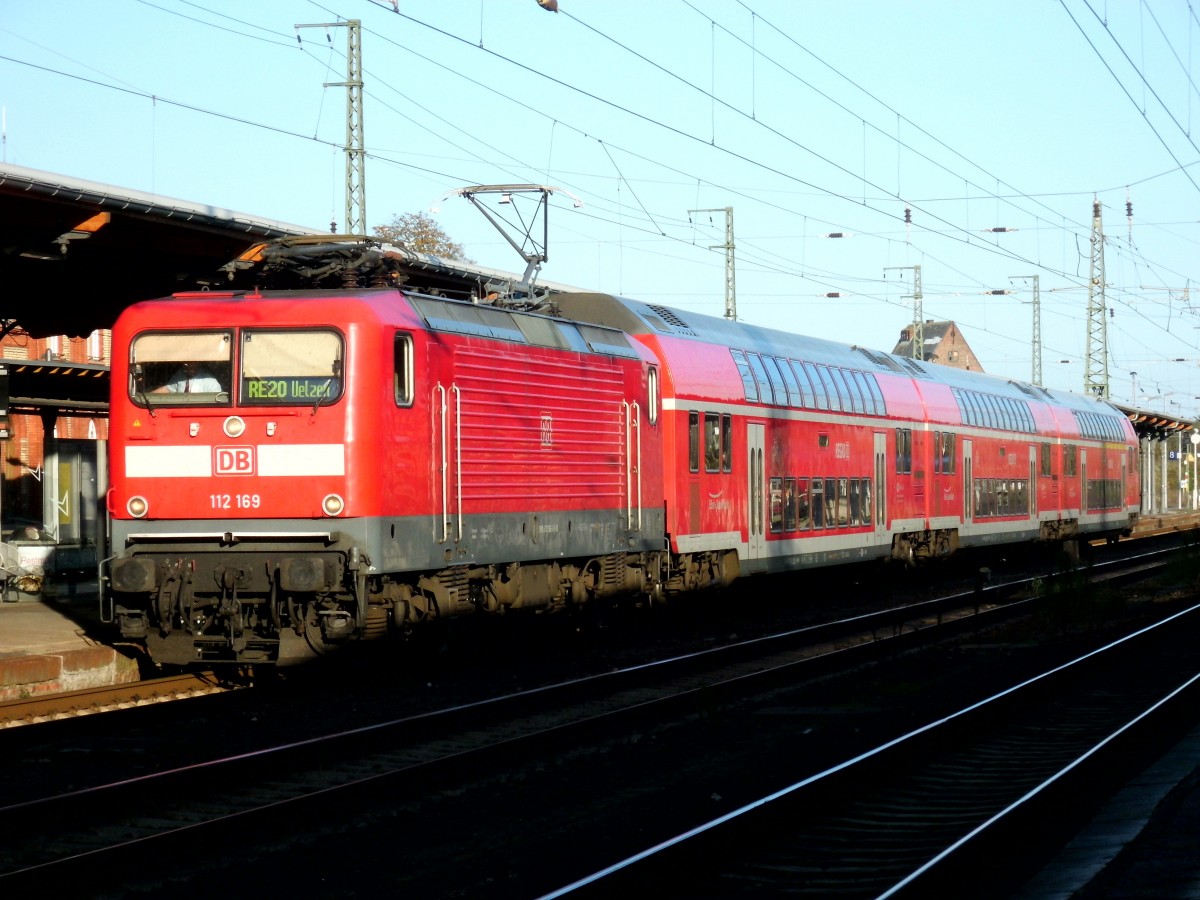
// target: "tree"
[[420, 233]]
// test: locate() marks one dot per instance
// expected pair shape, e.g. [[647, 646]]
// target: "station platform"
[[54, 642]]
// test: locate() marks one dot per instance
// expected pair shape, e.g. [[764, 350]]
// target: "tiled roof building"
[[944, 344]]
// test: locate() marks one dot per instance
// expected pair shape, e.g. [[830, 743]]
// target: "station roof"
[[1150, 424], [75, 253]]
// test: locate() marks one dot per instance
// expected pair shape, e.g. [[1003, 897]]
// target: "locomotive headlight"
[[235, 426], [333, 505], [137, 507]]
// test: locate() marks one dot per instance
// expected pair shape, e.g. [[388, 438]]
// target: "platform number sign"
[[4, 435]]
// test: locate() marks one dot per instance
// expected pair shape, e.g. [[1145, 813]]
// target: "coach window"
[[712, 442], [789, 504], [947, 453], [1069, 460], [818, 503], [652, 395], [766, 389], [818, 386], [860, 382], [969, 408], [727, 443], [808, 398], [903, 451], [855, 508], [937, 454], [831, 391], [693, 441], [856, 399], [749, 388], [990, 412], [1045, 460], [795, 398], [843, 502], [776, 488], [802, 505], [777, 382], [404, 369], [291, 368], [996, 413], [873, 386]]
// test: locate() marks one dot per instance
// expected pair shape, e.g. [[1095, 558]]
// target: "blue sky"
[[806, 118]]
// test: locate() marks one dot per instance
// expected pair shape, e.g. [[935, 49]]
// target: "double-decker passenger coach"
[[787, 452]]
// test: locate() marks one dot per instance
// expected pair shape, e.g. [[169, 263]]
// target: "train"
[[362, 458]]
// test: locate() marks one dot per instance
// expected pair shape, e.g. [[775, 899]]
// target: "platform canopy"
[[75, 253], [1152, 425]]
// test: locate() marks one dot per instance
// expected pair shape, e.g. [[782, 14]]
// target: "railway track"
[[965, 805], [411, 772]]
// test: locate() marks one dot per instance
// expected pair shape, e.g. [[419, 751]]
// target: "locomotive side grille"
[[551, 428]]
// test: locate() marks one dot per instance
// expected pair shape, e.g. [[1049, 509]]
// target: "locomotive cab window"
[[181, 368], [403, 377], [291, 368], [652, 399]]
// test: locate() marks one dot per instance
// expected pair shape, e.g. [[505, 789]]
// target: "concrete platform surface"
[[55, 643]]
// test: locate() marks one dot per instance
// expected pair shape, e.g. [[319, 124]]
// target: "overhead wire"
[[606, 145]]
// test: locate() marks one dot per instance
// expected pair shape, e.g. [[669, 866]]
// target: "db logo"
[[234, 460]]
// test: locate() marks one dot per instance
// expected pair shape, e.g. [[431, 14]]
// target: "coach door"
[[756, 492], [1085, 495], [968, 489], [1033, 481], [881, 491]]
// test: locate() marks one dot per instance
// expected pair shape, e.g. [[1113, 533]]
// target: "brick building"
[[22, 489], [944, 345]]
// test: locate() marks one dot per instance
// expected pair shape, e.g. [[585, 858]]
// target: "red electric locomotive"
[[358, 458], [354, 461]]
